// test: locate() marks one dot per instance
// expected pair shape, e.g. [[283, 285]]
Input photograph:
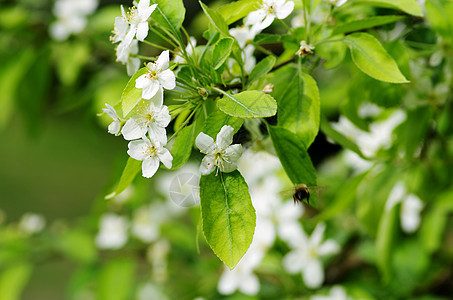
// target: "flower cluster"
[[255, 22], [151, 118], [71, 17], [131, 25]]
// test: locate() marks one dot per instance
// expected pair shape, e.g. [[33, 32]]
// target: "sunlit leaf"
[[228, 215], [248, 105]]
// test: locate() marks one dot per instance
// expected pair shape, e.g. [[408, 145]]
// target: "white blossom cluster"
[[71, 17], [275, 217], [254, 23], [130, 28]]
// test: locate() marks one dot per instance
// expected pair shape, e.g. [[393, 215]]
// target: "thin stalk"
[[184, 123], [156, 45], [163, 36]]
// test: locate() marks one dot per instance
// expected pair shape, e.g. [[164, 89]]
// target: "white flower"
[[138, 18], [336, 293], [305, 257], [249, 59], [150, 152], [149, 118], [411, 207], [305, 49], [120, 29], [71, 17], [242, 277], [337, 3], [189, 50], [115, 126], [380, 135], [112, 232], [144, 226], [220, 153], [270, 9], [158, 75], [243, 34], [31, 223], [124, 54]]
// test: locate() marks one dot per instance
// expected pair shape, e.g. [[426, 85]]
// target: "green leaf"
[[130, 171], [77, 245], [116, 279], [228, 215], [439, 14], [182, 147], [217, 120], [131, 95], [216, 20], [237, 10], [298, 101], [13, 281], [262, 68], [222, 50], [372, 59], [333, 52], [248, 105], [371, 22], [385, 240], [169, 14], [71, 57], [10, 76], [408, 6], [435, 221], [294, 157], [267, 38], [339, 138]]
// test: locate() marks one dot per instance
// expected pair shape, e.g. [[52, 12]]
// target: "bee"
[[301, 192]]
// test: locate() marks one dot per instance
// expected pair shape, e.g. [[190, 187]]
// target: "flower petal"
[[293, 262], [249, 284], [255, 17], [114, 127], [225, 137], [205, 143], [165, 157], [328, 247], [142, 81], [157, 133], [150, 166], [133, 64], [228, 282], [232, 153], [162, 62], [167, 79], [163, 118], [285, 10], [313, 274], [110, 111], [207, 165], [132, 130], [150, 90], [142, 31], [317, 235], [158, 98], [137, 149], [267, 21]]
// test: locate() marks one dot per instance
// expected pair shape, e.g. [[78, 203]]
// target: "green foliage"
[[408, 6], [130, 171], [131, 95], [217, 120], [169, 14], [182, 147], [293, 155], [298, 102], [367, 23], [248, 105], [115, 279], [13, 279], [371, 58], [222, 51], [262, 68], [228, 215], [236, 10]]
